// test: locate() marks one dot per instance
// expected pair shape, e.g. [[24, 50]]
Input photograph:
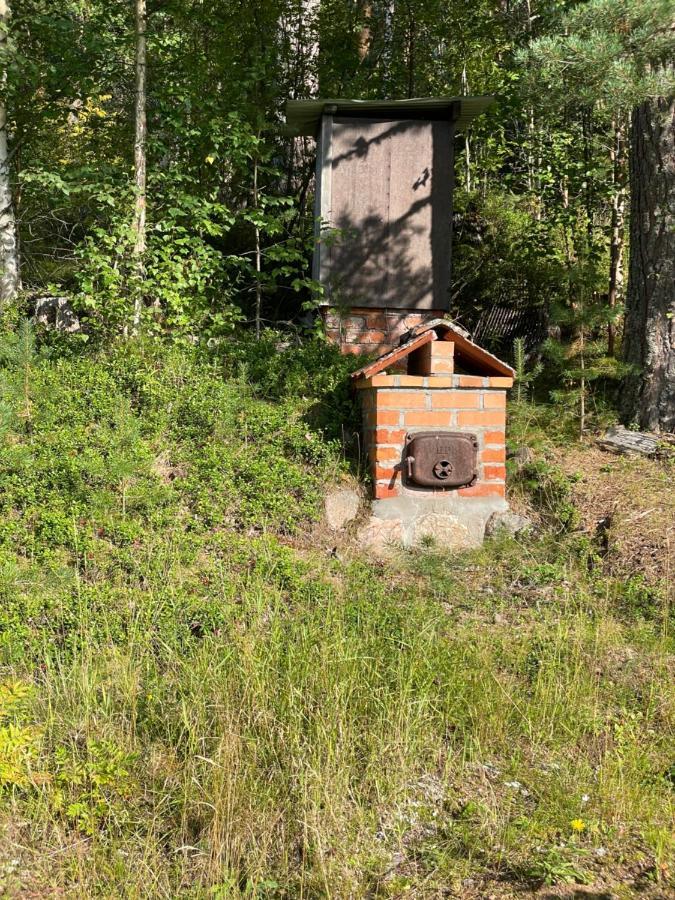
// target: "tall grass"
[[336, 735], [213, 713]]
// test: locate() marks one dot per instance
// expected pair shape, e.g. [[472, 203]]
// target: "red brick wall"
[[394, 405], [373, 331]]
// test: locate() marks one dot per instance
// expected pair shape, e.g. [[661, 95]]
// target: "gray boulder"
[[341, 507], [56, 313], [507, 522], [381, 536], [521, 456]]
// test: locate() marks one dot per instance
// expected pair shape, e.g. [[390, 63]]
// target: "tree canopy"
[[542, 179]]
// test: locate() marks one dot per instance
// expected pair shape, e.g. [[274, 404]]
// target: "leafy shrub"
[[92, 785], [311, 370]]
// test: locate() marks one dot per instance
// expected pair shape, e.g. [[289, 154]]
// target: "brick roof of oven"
[[469, 355]]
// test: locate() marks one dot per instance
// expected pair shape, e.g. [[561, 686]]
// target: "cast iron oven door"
[[441, 459]]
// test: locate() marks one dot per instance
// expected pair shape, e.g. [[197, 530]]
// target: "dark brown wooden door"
[[391, 203]]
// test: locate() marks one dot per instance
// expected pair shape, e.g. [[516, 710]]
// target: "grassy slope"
[[200, 700]]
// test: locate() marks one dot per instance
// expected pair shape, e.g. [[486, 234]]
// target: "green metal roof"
[[303, 116]]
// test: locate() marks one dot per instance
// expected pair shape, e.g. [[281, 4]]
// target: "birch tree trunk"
[[411, 48], [140, 165], [467, 139], [388, 50], [648, 396], [616, 240], [366, 10], [298, 47], [9, 249]]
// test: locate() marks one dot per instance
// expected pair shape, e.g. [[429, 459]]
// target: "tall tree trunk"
[[9, 249], [298, 50], [140, 166], [388, 49], [411, 49], [297, 45], [258, 256], [365, 36], [467, 137], [648, 396], [617, 231]]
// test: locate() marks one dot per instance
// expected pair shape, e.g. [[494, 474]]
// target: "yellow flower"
[[578, 825]]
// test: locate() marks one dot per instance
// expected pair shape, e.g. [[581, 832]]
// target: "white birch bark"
[[140, 165], [365, 36], [617, 156], [388, 52], [9, 250], [299, 26], [467, 139]]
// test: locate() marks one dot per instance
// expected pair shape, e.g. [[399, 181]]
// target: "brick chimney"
[[369, 331]]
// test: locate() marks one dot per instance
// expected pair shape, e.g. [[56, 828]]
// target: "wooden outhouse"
[[383, 208]]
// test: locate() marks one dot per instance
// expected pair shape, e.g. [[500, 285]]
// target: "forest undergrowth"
[[201, 696]]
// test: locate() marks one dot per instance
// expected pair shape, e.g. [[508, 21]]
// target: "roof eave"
[[303, 116], [443, 330]]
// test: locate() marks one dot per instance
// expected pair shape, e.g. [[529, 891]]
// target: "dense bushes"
[[120, 462], [103, 447], [503, 255]]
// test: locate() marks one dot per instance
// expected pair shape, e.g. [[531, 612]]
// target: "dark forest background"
[[146, 176]]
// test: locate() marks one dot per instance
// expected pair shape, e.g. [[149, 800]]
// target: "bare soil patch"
[[628, 504]]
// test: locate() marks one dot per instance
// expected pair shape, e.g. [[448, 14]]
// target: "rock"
[[57, 313], [450, 520], [521, 456], [443, 529], [380, 535], [621, 440], [508, 522], [342, 507]]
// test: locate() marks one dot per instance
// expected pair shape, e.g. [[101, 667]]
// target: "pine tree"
[[524, 378], [618, 54]]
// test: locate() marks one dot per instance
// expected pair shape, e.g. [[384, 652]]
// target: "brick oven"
[[434, 435]]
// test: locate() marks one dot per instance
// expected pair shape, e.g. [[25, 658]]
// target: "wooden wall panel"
[[391, 200]]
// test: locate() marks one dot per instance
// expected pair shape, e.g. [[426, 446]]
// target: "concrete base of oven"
[[450, 520]]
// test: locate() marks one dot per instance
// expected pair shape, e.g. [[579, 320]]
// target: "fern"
[[18, 742]]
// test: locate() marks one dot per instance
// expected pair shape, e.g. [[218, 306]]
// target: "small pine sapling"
[[523, 379], [583, 362], [18, 355]]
